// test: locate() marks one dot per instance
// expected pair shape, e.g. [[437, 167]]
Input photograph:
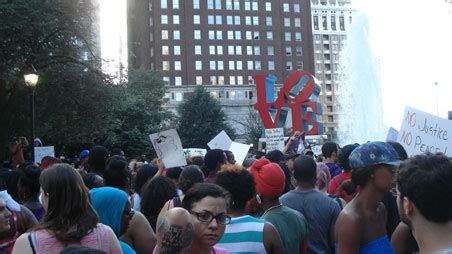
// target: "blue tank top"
[[381, 245]]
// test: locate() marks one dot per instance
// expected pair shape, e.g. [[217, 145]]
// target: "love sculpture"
[[298, 94]]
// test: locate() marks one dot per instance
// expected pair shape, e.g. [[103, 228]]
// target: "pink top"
[[45, 243]]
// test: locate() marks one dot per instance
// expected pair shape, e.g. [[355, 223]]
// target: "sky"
[[411, 39]]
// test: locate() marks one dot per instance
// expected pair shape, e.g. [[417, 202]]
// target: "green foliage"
[[201, 119], [253, 127]]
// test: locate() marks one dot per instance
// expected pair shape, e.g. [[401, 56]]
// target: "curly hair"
[[240, 184], [426, 181]]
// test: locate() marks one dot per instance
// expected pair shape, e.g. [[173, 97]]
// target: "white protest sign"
[[275, 139], [392, 134], [221, 141], [190, 152], [168, 147], [43, 151], [240, 151], [422, 132]]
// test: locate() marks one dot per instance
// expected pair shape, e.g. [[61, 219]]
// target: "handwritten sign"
[[422, 132], [168, 147], [192, 152], [275, 139], [221, 141], [43, 151]]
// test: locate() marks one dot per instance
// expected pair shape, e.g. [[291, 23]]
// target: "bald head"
[[175, 231]]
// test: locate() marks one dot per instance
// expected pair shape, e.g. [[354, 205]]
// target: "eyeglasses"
[[130, 213], [207, 217]]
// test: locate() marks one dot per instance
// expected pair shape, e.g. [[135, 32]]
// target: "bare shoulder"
[[22, 245], [349, 220]]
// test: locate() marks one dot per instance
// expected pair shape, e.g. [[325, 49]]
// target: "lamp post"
[[31, 79]]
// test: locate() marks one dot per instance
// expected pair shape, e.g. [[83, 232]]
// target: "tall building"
[[220, 44], [330, 21]]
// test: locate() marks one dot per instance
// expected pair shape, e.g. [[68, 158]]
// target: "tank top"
[[244, 234], [45, 243]]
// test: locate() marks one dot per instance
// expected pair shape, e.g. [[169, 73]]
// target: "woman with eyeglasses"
[[114, 210], [70, 219], [207, 203]]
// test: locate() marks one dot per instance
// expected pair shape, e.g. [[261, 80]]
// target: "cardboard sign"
[[221, 141], [43, 151], [422, 132], [275, 139], [240, 151], [168, 147], [192, 152]]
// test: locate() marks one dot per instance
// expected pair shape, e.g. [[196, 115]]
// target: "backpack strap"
[[32, 240]]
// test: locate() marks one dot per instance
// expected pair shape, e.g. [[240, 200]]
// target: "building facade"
[[220, 44], [330, 21]]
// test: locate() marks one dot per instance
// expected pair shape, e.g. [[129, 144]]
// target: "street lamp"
[[31, 79]]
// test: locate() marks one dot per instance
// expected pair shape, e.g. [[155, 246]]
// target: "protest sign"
[[392, 134], [43, 151], [168, 147], [274, 139], [221, 141], [240, 151], [190, 152], [422, 132]]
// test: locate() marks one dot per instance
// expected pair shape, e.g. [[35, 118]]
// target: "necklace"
[[271, 208]]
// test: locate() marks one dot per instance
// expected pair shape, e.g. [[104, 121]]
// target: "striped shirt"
[[244, 235]]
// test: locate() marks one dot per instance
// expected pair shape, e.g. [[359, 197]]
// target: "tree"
[[253, 127], [138, 113], [201, 119]]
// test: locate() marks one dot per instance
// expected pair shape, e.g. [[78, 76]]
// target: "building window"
[[211, 50], [330, 119], [230, 50], [238, 50], [247, 5], [256, 35], [175, 4], [210, 4], [249, 35], [198, 65], [178, 81], [257, 65], [219, 35], [210, 20], [176, 20], [255, 5], [296, 8], [286, 7], [270, 36], [218, 4], [232, 80], [298, 36], [299, 51], [163, 4], [333, 23], [328, 87], [270, 51], [237, 20], [177, 50], [228, 4], [316, 22], [289, 66], [249, 50], [220, 50], [212, 65], [220, 65], [152, 52], [288, 51], [229, 20], [329, 98], [165, 50], [341, 23], [230, 35], [297, 22], [271, 65], [197, 34], [165, 66], [250, 65], [287, 36], [299, 65], [221, 80], [151, 22], [177, 66], [287, 22], [176, 34], [195, 4], [179, 96], [199, 80], [239, 80], [239, 65], [268, 6], [248, 20], [257, 50], [164, 34], [213, 80], [329, 108], [269, 21], [255, 20], [166, 80], [324, 23], [236, 5], [198, 50], [164, 19], [218, 20], [238, 35], [231, 65], [211, 35], [196, 19]]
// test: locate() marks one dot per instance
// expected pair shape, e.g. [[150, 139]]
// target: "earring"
[[258, 199]]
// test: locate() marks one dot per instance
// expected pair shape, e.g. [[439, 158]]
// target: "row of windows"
[[236, 50], [249, 5], [333, 24], [233, 65]]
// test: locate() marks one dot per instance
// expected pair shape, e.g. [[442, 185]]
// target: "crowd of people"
[[368, 198]]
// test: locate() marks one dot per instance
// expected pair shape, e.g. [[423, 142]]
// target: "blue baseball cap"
[[373, 153], [83, 154]]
